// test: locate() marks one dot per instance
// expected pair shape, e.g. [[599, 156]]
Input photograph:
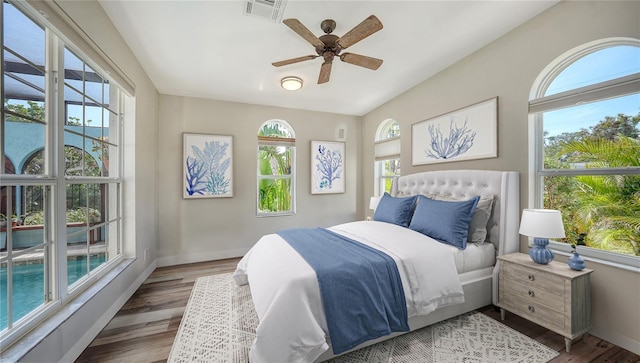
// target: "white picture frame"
[[207, 166], [465, 134], [327, 167]]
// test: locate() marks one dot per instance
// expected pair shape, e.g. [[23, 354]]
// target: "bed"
[[285, 288]]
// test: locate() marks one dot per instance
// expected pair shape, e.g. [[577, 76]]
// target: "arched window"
[[387, 155], [276, 169], [585, 147]]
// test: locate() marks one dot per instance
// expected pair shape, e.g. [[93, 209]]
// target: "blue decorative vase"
[[540, 253], [576, 262]]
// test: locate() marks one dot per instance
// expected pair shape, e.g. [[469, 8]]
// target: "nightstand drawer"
[[552, 283], [534, 294], [533, 311]]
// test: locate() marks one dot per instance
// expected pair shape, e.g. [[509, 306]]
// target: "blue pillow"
[[445, 221], [395, 210]]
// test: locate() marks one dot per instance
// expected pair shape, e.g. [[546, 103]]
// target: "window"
[[585, 140], [387, 156], [276, 169], [60, 211]]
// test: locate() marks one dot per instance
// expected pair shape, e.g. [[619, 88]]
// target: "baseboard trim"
[[617, 339], [200, 257], [97, 327]]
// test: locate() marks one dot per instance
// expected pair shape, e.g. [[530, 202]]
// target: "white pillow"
[[478, 226]]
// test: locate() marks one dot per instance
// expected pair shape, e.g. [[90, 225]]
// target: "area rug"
[[219, 325]]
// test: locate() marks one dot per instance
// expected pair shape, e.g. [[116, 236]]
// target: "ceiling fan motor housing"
[[331, 47]]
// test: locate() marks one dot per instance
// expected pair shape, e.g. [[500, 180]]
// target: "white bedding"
[[286, 296], [474, 257]]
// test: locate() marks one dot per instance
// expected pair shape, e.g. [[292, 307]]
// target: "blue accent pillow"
[[395, 210], [445, 221]]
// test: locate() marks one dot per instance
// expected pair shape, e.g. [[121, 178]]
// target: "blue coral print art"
[[465, 134], [207, 164], [327, 167]]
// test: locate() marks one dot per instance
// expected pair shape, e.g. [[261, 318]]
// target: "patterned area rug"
[[219, 326]]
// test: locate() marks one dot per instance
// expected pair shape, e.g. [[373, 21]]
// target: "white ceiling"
[[211, 49]]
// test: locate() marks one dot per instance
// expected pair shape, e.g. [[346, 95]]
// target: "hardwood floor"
[[144, 329]]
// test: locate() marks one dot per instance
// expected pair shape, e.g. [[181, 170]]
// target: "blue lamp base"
[[539, 253]]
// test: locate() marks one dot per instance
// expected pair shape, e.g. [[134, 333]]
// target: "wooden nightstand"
[[553, 295]]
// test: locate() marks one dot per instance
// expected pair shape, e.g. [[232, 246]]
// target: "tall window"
[[60, 211], [387, 155], [586, 147], [276, 169]]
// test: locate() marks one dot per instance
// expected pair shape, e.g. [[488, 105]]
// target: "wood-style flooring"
[[144, 329]]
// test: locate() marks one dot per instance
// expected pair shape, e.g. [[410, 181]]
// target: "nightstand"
[[553, 295]]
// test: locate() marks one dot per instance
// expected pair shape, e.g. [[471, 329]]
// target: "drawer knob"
[[532, 309], [531, 277], [531, 293]]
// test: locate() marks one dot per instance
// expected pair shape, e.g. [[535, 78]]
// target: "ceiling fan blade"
[[361, 60], [368, 26], [325, 72], [293, 60], [302, 31]]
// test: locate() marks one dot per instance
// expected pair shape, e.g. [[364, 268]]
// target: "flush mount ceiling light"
[[291, 83]]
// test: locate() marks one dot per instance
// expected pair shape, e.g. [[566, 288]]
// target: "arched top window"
[[387, 155], [585, 109], [276, 169], [388, 129], [276, 129]]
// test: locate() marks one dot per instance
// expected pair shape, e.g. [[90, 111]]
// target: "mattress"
[[474, 257]]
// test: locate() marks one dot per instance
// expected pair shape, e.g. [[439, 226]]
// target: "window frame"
[[57, 291], [288, 142], [538, 104], [385, 150]]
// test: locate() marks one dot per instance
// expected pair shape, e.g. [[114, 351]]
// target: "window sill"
[[25, 344], [624, 262]]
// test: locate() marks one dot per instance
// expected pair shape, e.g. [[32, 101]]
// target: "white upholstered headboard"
[[504, 185]]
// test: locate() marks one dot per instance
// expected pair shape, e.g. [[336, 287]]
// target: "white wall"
[[213, 228], [507, 68]]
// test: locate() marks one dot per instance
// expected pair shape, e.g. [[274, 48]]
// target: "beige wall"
[[213, 228], [175, 230], [507, 69]]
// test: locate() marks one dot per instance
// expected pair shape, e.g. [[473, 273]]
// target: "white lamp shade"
[[542, 223], [373, 202]]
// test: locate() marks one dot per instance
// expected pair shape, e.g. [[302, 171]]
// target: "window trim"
[[289, 142], [539, 103], [59, 293]]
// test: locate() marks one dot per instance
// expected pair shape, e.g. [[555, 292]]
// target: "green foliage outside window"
[[275, 187], [604, 207]]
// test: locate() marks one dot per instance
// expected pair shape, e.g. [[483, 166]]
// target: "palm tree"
[[275, 193], [606, 206]]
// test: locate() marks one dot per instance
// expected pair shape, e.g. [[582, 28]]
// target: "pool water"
[[28, 285]]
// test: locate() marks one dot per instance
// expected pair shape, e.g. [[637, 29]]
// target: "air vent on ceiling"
[[267, 9]]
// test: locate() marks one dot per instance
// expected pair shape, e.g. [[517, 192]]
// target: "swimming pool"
[[28, 285]]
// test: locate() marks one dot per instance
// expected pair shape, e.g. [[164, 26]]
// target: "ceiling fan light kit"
[[329, 46], [291, 83]]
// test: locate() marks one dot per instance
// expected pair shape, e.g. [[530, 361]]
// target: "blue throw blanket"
[[360, 286]]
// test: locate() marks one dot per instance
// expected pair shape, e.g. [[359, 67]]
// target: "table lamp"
[[373, 202], [541, 224]]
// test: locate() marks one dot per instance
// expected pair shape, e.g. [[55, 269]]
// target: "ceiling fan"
[[329, 46]]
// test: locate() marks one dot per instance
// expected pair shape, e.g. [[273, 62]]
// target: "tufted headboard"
[[504, 185]]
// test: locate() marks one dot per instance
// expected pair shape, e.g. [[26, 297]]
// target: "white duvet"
[[287, 299]]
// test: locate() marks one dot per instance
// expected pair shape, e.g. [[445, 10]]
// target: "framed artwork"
[[207, 166], [466, 134], [327, 167]]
